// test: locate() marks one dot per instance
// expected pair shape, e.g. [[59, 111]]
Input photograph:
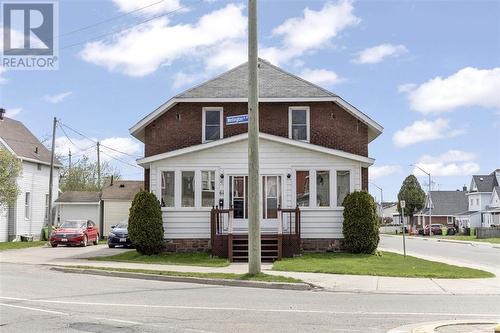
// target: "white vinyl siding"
[[276, 159]]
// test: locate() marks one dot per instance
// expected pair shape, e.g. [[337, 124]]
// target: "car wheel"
[[53, 244], [96, 240], [85, 241], [111, 246]]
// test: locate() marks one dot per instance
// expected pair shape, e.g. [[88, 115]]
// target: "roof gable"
[[447, 203], [19, 140], [79, 197], [484, 183], [122, 190], [274, 82], [275, 85]]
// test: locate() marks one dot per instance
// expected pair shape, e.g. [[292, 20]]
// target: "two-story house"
[[483, 201], [30, 212], [313, 152]]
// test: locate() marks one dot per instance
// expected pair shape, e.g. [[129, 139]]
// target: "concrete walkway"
[[330, 282]]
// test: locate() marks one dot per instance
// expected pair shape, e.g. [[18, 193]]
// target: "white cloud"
[[467, 87], [314, 29], [450, 163], [152, 6], [320, 76], [383, 171], [87, 147], [57, 98], [12, 113], [425, 130], [407, 87], [142, 49], [378, 53]]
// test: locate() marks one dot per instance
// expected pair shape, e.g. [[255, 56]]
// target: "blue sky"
[[428, 71]]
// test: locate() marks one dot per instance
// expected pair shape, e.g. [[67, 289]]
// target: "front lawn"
[[227, 276], [20, 245], [385, 264], [188, 259]]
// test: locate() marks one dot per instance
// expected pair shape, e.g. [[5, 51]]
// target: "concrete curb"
[[495, 246], [431, 327], [216, 282]]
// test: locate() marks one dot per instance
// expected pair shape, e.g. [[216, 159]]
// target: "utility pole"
[[51, 177], [429, 200], [69, 161], [98, 166], [254, 246]]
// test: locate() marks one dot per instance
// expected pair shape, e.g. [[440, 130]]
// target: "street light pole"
[[429, 202], [381, 200]]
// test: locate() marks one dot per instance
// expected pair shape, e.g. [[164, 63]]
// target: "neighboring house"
[[79, 205], [30, 211], [483, 202], [116, 201], [445, 205], [313, 152]]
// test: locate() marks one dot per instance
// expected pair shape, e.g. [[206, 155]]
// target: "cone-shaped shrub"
[[145, 224], [361, 232]]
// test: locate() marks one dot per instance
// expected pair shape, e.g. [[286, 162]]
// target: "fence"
[[487, 232]]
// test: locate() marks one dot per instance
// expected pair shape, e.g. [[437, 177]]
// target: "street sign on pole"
[[402, 204]]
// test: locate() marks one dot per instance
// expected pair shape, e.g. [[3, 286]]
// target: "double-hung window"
[[343, 186], [187, 194], [298, 123], [212, 124], [323, 188], [207, 188], [27, 205], [168, 189], [302, 188]]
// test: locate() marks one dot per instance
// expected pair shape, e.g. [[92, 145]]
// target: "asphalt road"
[[35, 299], [481, 256]]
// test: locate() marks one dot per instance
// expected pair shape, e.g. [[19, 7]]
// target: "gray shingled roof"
[[273, 83], [447, 203], [122, 190], [23, 142], [485, 183], [79, 196]]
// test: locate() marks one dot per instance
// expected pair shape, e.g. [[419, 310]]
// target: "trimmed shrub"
[[145, 224], [361, 233]]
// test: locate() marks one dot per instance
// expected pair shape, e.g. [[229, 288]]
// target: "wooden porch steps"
[[270, 248]]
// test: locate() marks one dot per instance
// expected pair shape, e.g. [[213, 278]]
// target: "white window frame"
[[197, 194], [160, 181], [201, 187], [27, 206], [221, 121], [308, 121]]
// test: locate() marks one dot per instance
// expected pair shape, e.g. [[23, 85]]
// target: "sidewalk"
[[329, 282]]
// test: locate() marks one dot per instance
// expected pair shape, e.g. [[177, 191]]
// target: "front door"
[[270, 200]]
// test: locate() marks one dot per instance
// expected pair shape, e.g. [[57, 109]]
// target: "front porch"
[[229, 242]]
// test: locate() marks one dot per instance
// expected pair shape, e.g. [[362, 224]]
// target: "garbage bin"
[[467, 231], [45, 233]]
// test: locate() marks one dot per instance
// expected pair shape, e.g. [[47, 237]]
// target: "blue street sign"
[[234, 120]]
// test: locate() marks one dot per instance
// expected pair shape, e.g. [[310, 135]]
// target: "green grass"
[[20, 245], [226, 276], [384, 264], [187, 259]]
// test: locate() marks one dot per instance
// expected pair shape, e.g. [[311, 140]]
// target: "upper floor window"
[[298, 123], [212, 124]]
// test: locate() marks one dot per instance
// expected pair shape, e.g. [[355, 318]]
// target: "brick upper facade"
[[331, 126]]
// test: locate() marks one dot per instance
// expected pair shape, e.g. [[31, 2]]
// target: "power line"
[[123, 29], [108, 20], [120, 160]]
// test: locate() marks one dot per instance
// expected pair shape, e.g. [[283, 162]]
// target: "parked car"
[[75, 232], [437, 229], [119, 235]]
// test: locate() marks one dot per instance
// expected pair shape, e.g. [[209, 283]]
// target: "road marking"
[[208, 308], [34, 309]]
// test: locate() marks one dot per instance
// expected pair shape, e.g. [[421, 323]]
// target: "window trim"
[[308, 121], [201, 187], [196, 196], [46, 207], [161, 186], [203, 123]]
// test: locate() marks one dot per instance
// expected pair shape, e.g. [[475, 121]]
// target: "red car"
[[75, 232]]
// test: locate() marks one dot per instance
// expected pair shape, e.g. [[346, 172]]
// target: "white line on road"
[[34, 309], [184, 307]]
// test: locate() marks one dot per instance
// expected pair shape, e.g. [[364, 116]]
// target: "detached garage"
[[79, 205], [116, 200]]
